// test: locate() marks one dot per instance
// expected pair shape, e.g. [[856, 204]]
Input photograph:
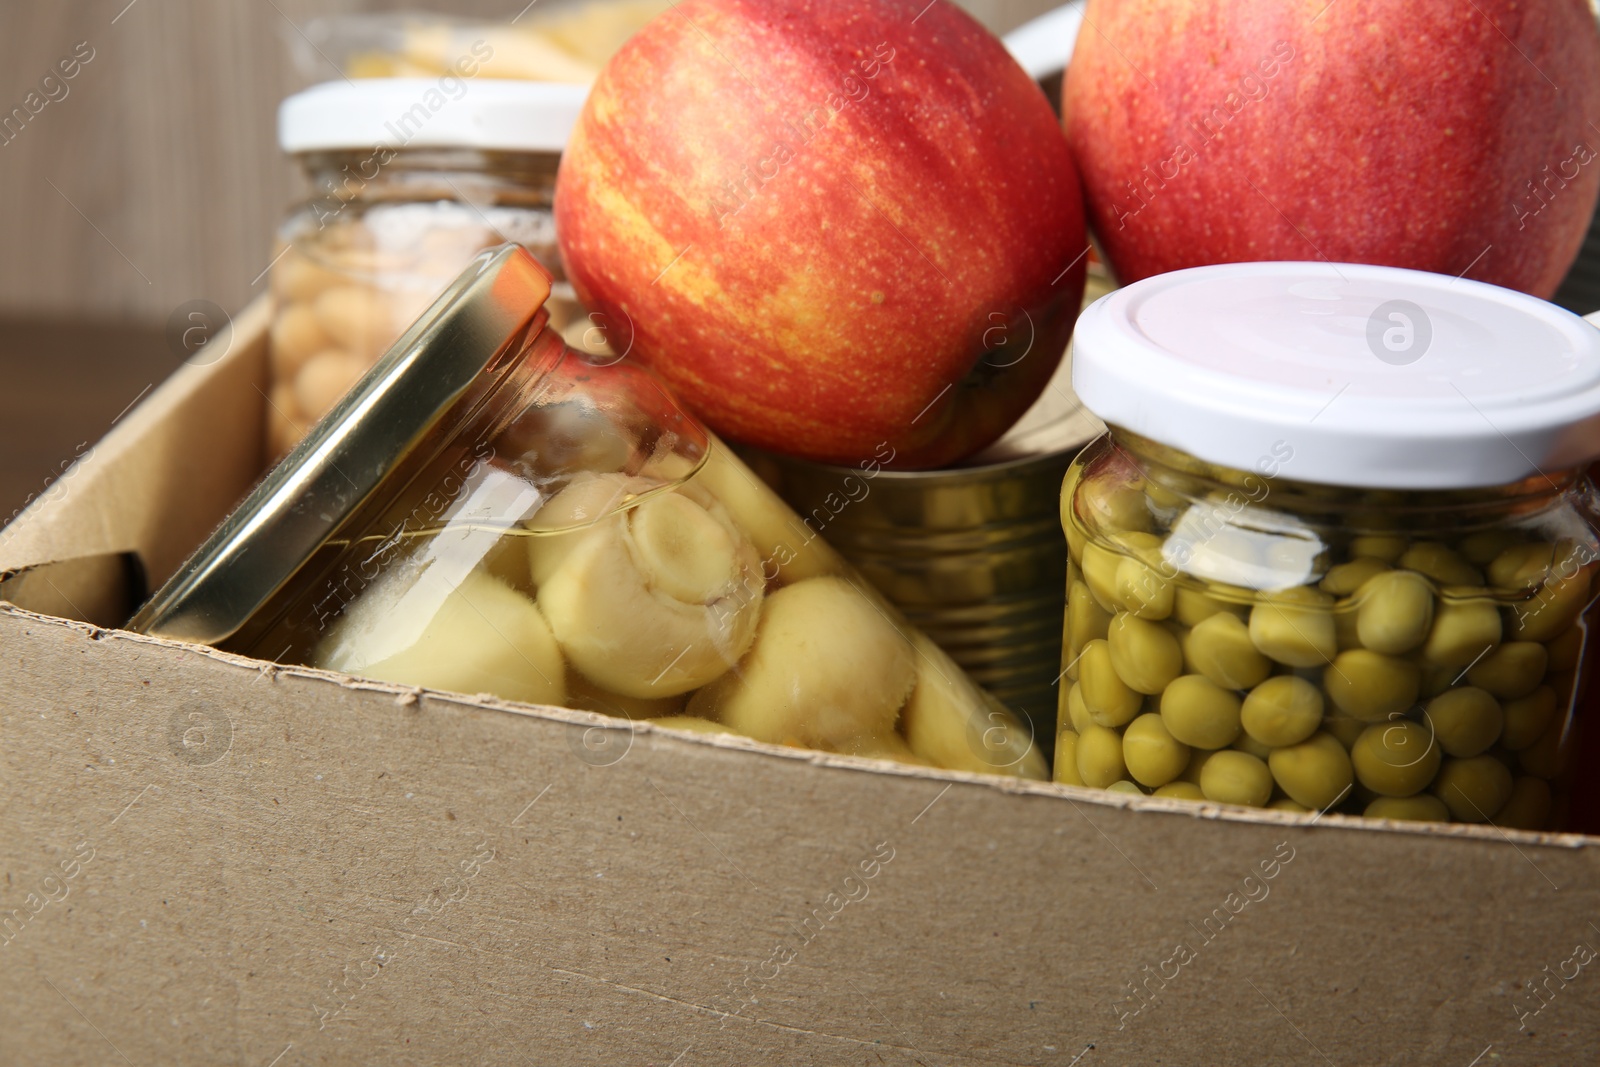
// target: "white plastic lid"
[[1345, 374], [450, 112]]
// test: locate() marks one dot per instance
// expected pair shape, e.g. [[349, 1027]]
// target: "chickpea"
[[1220, 648], [1200, 713], [1100, 574], [1116, 507], [1439, 563], [1066, 765], [1152, 755], [1069, 519], [1316, 773], [1144, 654], [296, 337], [1395, 759], [1465, 721], [1295, 627], [1385, 547], [1124, 786], [1512, 670], [1345, 578], [1529, 806], [1197, 763], [1473, 789], [1106, 696], [358, 319], [1099, 752], [324, 379], [1527, 718], [1284, 710], [1420, 808], [1395, 613], [1464, 626], [1181, 790], [1233, 777], [1348, 730], [1285, 804]]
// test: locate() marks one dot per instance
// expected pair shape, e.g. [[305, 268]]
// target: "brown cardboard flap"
[[169, 470], [207, 860]]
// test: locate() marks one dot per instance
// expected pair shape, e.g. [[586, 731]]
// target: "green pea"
[[1077, 711], [1197, 763], [1555, 606], [1295, 628], [1285, 804], [1086, 621], [1512, 670], [1396, 612], [1464, 626], [1527, 718], [1152, 755], [1145, 654], [1124, 786], [1465, 721], [1116, 507], [1316, 772], [1565, 649], [1347, 623], [1395, 759], [1069, 519], [1436, 680], [1420, 808], [1345, 578], [1440, 563], [1378, 546], [1245, 743], [1347, 729], [1521, 567], [1529, 806], [1106, 696], [1473, 789], [1200, 713], [1100, 574], [1066, 765], [1181, 790], [1546, 757], [1191, 607], [1284, 710], [1481, 548], [1233, 777], [1370, 685], [1099, 753], [1142, 584], [1220, 648]]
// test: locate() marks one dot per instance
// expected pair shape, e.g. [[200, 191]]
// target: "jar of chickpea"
[[410, 178], [1337, 551]]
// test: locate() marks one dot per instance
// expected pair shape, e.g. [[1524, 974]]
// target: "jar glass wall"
[[1235, 636]]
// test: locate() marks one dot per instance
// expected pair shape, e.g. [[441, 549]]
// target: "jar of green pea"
[[1336, 551]]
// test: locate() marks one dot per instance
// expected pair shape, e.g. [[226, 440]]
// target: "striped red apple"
[[840, 229]]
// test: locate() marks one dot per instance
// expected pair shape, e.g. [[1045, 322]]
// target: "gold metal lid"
[[440, 369]]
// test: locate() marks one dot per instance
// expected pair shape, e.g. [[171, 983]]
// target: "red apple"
[[1457, 136], [840, 229]]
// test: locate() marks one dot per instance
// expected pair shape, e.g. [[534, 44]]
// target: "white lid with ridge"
[[1372, 377], [451, 112]]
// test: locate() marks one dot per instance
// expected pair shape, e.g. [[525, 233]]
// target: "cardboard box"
[[206, 859]]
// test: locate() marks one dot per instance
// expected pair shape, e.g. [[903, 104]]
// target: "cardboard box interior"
[[209, 859]]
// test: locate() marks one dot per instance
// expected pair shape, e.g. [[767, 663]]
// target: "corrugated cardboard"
[[205, 859]]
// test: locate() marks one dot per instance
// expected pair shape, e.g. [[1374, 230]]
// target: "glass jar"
[[410, 178], [1314, 570], [491, 511]]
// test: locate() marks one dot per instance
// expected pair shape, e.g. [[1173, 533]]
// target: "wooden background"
[[158, 179]]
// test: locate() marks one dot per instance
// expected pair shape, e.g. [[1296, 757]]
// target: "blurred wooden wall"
[[157, 179]]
